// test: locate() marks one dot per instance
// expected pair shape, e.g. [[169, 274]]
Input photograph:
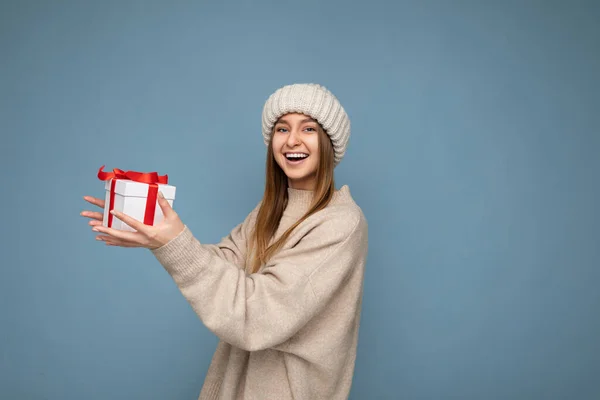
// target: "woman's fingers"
[[111, 241], [93, 215], [142, 235], [122, 244], [112, 237], [132, 222], [134, 237], [94, 200], [167, 211]]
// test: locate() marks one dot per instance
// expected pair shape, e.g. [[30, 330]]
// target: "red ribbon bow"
[[151, 178]]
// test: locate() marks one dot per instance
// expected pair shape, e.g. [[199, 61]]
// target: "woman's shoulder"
[[343, 208], [342, 217], [339, 230]]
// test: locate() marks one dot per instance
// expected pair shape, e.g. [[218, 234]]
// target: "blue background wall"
[[474, 155]]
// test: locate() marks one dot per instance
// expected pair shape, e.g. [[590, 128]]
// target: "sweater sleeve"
[[262, 310]]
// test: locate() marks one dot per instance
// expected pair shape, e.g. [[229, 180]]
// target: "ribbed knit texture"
[[289, 331], [313, 100]]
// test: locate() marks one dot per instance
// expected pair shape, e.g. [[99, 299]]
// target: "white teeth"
[[296, 155]]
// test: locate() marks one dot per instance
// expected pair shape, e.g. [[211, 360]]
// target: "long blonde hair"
[[275, 200]]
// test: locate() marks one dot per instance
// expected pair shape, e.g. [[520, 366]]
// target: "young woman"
[[283, 290]]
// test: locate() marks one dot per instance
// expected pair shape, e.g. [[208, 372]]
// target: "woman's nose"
[[293, 138]]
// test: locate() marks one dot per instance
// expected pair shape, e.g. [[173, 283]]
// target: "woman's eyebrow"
[[283, 121]]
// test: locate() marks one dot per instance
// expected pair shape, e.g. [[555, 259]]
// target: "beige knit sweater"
[[290, 330]]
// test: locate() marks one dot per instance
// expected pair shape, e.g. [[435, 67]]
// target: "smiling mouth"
[[296, 158]]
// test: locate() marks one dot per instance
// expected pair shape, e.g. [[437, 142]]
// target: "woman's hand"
[[150, 237], [94, 215]]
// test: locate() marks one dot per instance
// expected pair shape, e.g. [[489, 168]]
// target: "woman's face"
[[296, 149]]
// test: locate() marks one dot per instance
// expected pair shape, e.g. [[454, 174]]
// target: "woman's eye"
[[311, 129], [281, 129]]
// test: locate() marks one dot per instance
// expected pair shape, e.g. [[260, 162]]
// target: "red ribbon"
[[151, 178]]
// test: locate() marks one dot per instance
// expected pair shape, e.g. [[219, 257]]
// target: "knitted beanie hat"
[[315, 101]]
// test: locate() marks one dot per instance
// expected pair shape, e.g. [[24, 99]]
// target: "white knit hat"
[[315, 101]]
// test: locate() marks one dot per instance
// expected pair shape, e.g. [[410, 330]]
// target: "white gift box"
[[130, 199]]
